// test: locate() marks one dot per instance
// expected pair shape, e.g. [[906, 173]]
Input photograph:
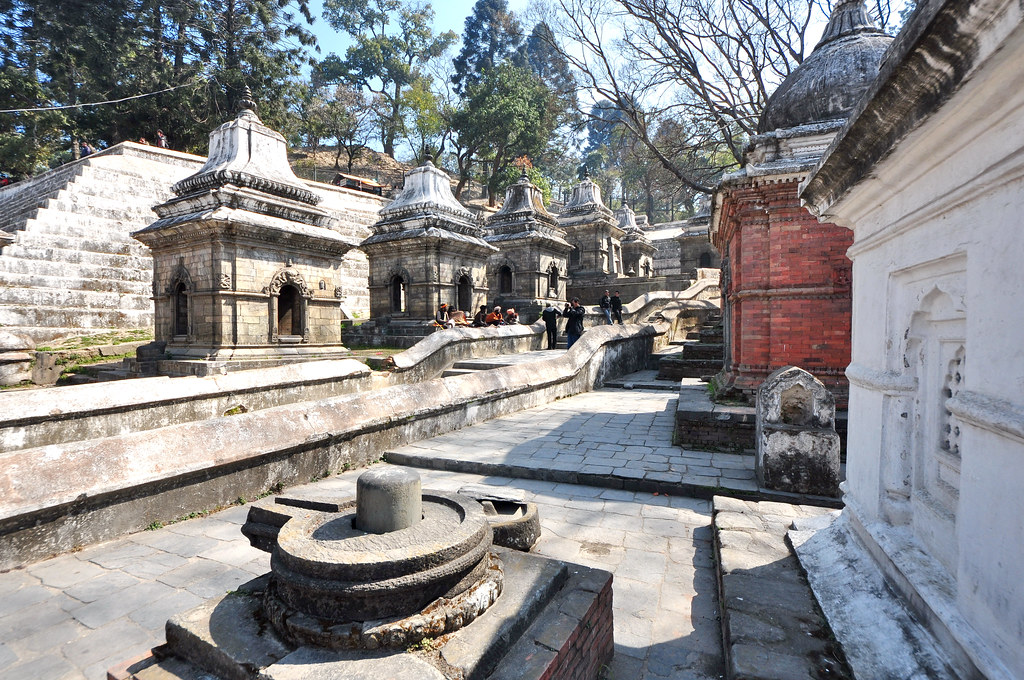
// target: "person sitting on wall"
[[495, 318], [574, 322], [606, 307], [480, 320], [458, 317], [511, 317], [617, 307], [442, 318]]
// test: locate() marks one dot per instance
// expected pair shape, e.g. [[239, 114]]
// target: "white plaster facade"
[[935, 466]]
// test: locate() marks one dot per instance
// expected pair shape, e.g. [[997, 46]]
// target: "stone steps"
[[43, 317], [79, 256], [80, 271], [9, 280], [71, 297], [82, 227], [41, 239]]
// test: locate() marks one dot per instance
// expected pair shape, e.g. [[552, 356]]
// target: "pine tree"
[[492, 35]]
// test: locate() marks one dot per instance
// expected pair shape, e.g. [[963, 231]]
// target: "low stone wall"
[[431, 356], [55, 498], [63, 415]]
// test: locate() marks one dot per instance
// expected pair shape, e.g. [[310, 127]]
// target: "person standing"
[[161, 139], [550, 316], [617, 307], [606, 307], [574, 322]]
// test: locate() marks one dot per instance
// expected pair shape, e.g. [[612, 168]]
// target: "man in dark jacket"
[[574, 322], [550, 316], [606, 307], [617, 307]]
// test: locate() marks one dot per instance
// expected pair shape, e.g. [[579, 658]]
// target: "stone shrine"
[[356, 585], [797, 444], [786, 277], [530, 268], [637, 249], [426, 249], [594, 233], [246, 267]]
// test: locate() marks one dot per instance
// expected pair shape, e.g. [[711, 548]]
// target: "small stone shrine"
[[594, 233], [637, 248], [530, 268], [246, 267], [425, 250], [354, 585], [797, 444]]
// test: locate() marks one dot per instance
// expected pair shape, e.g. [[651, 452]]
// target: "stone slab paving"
[[772, 626], [643, 380], [607, 437], [76, 615]]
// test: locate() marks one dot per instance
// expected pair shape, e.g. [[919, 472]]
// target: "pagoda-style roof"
[[426, 208], [524, 217]]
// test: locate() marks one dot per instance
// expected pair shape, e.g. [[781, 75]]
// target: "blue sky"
[[449, 15]]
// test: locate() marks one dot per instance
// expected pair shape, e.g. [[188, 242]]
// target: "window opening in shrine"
[[180, 309], [398, 294], [465, 294], [505, 280], [553, 280], [288, 316], [705, 260]]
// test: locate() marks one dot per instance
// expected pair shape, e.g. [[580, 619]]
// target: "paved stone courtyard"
[[78, 614], [611, 434]]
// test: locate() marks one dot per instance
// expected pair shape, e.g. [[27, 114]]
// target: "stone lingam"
[[397, 583]]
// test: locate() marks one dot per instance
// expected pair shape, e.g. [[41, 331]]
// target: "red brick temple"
[[785, 276]]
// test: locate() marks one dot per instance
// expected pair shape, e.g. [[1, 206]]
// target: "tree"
[[705, 64], [425, 122], [393, 39], [350, 123], [179, 65], [505, 115], [492, 35]]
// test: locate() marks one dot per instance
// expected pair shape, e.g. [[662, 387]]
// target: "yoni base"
[[553, 620]]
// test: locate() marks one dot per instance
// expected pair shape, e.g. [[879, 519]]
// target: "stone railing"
[[702, 293], [432, 355], [54, 498], [63, 415]]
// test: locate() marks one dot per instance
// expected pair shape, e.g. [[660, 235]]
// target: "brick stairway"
[[71, 267], [699, 355]]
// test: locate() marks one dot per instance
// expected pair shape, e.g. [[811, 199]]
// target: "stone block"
[[797, 444]]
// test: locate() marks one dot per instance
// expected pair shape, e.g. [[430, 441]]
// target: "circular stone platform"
[[325, 568]]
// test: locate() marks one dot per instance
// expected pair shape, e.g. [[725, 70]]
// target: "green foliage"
[[492, 36], [504, 116], [393, 39], [511, 174], [196, 55]]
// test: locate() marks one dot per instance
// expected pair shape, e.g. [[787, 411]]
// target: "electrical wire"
[[109, 101]]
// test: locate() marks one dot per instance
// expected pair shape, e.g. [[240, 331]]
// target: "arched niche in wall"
[[289, 307]]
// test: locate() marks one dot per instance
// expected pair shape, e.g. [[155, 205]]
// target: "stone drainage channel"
[[79, 614]]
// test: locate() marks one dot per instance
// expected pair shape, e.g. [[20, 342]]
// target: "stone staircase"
[[387, 333], [698, 356], [69, 266]]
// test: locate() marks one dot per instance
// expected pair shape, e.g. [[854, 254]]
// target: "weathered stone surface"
[[313, 664], [797, 445], [388, 499], [224, 637]]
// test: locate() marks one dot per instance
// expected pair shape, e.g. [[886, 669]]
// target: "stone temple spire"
[[849, 17], [830, 82]]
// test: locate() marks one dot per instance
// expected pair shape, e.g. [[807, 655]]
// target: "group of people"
[[573, 312], [447, 318]]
